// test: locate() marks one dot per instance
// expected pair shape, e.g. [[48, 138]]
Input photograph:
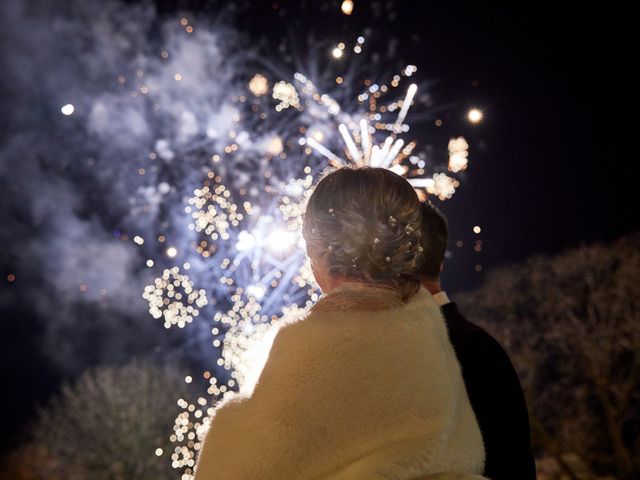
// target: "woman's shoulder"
[[357, 315]]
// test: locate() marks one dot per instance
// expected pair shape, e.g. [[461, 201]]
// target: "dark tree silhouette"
[[107, 425], [571, 324]]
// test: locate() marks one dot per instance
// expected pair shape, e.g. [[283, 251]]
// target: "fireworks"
[[259, 85], [287, 95], [248, 338], [443, 186], [189, 429], [173, 298], [386, 154], [310, 91], [274, 146], [361, 149], [294, 201], [213, 211], [458, 154]]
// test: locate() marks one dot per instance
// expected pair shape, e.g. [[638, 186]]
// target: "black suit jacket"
[[496, 398]]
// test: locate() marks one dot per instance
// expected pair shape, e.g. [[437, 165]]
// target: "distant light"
[[150, 263], [68, 109], [138, 239], [287, 94], [246, 241], [275, 147], [256, 291], [337, 52], [399, 169], [280, 240], [347, 7], [475, 115], [172, 252], [458, 154], [477, 229], [188, 379], [158, 452], [259, 85], [317, 135]]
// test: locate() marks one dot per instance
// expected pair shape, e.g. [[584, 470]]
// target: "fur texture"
[[366, 387]]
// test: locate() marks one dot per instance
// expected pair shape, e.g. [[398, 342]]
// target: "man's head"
[[434, 237]]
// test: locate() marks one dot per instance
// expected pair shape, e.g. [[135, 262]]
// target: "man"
[[492, 383]]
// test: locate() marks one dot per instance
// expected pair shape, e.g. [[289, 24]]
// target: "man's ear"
[[441, 266]]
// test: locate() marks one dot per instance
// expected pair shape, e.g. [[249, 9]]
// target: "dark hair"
[[435, 233], [367, 222]]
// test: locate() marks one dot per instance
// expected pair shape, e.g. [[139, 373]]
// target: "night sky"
[[544, 174]]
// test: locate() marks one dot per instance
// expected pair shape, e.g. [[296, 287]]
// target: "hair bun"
[[367, 220]]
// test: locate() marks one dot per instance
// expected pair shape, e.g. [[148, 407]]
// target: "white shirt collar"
[[441, 298]]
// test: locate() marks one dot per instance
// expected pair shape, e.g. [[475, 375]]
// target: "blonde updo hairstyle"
[[365, 223]]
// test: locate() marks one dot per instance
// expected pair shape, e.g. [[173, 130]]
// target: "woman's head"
[[363, 224]]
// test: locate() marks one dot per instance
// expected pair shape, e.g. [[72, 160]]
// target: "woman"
[[367, 386]]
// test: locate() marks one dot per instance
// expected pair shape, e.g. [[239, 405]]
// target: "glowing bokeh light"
[[347, 7], [458, 154], [173, 298], [280, 240], [286, 94], [67, 109], [246, 241], [475, 115], [259, 85]]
